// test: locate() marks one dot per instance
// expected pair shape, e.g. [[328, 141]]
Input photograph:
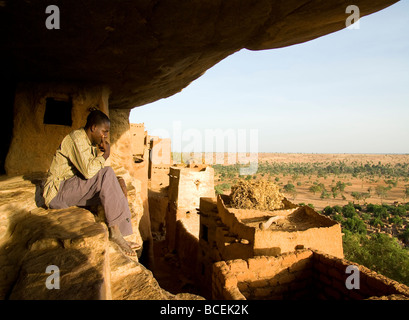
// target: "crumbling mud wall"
[[227, 233], [300, 275]]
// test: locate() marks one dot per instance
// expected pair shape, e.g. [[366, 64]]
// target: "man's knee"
[[108, 172], [57, 204], [108, 176]]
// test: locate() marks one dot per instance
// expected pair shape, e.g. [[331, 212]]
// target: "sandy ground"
[[348, 158], [303, 195], [303, 157]]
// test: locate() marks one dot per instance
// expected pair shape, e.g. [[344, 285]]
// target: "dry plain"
[[360, 183]]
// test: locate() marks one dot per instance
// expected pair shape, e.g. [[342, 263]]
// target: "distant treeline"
[[321, 169]]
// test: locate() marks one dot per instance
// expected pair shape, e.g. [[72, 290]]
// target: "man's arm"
[[84, 160]]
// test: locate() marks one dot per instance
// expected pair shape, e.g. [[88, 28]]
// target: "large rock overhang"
[[148, 50]]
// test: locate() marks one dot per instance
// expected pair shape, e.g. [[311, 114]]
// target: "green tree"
[[376, 222], [381, 212], [356, 195], [404, 236], [341, 186], [391, 183], [354, 225], [405, 193], [382, 191], [289, 187], [315, 189], [338, 217], [396, 220], [348, 211], [360, 195], [366, 195], [325, 194], [379, 253], [328, 211], [219, 189]]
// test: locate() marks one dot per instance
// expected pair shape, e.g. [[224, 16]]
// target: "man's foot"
[[124, 246], [115, 236], [134, 245]]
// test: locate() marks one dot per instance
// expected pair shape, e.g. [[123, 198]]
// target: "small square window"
[[58, 112]]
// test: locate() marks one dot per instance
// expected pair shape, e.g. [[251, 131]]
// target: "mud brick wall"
[[302, 274], [330, 276], [158, 206], [264, 277], [188, 185], [323, 234], [314, 231], [138, 136], [232, 222], [208, 252], [186, 246], [173, 215]]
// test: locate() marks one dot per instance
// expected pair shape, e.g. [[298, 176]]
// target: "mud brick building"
[[186, 186], [228, 234]]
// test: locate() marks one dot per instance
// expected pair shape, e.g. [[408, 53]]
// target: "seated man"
[[78, 177]]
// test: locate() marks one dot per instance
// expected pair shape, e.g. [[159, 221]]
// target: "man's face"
[[98, 132]]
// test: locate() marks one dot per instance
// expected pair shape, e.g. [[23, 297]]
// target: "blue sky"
[[347, 92]]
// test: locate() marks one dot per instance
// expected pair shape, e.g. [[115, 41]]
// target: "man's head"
[[97, 126]]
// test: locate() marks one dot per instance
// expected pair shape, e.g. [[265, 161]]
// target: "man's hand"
[[105, 147]]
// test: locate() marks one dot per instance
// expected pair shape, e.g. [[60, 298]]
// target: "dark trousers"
[[103, 189]]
